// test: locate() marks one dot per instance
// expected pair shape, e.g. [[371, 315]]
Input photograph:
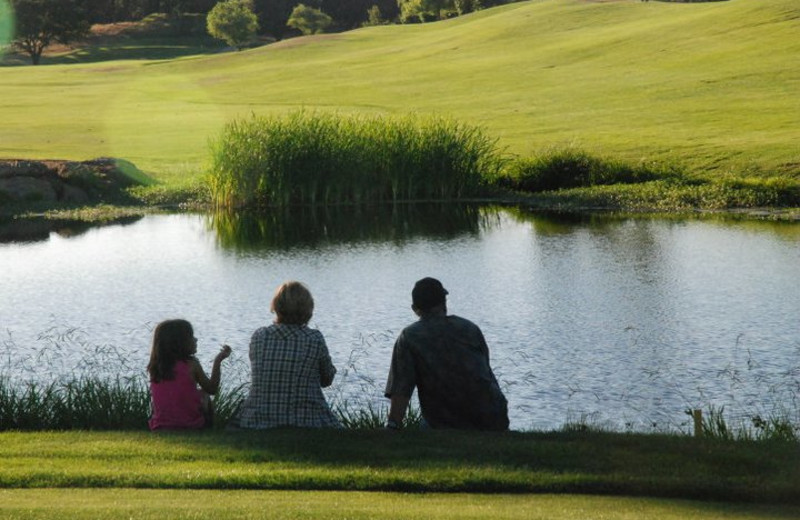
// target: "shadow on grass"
[[667, 466], [124, 49]]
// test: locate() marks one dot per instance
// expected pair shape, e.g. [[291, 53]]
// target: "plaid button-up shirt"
[[289, 366]]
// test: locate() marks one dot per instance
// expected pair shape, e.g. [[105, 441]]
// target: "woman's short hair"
[[292, 304]]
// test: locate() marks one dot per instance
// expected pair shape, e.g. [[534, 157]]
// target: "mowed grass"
[[380, 474], [712, 86], [663, 466], [26, 504]]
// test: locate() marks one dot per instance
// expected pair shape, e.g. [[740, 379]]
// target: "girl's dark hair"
[[173, 340]]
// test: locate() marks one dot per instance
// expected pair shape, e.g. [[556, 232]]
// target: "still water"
[[620, 322]]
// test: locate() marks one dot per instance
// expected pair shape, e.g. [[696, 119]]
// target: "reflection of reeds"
[[316, 158], [313, 226]]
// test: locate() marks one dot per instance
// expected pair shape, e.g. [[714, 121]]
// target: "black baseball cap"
[[428, 293]]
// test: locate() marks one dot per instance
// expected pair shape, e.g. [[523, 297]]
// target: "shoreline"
[[106, 189]]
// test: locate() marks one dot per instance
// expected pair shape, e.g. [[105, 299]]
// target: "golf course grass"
[[711, 86], [369, 474], [79, 504]]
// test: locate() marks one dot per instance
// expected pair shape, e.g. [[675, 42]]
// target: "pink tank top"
[[177, 404]]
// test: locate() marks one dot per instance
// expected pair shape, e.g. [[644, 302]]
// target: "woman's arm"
[[326, 369], [210, 385], [327, 372]]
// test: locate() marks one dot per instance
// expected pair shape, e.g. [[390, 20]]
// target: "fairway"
[[712, 86], [159, 504]]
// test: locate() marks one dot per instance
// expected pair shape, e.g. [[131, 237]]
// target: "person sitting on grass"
[[290, 365], [447, 359], [175, 373]]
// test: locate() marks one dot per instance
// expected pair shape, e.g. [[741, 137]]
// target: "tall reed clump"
[[317, 158]]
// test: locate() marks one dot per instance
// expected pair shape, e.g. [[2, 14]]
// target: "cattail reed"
[[317, 158]]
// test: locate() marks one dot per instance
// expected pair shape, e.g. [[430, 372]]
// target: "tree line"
[[41, 23]]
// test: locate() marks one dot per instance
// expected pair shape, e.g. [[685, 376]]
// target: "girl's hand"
[[225, 352]]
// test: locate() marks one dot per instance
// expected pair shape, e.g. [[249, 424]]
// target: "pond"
[[624, 323]]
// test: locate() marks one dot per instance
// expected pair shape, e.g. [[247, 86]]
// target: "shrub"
[[573, 168]]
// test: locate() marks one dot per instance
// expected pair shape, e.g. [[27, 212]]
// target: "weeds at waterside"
[[572, 178], [124, 404], [310, 158], [82, 404], [63, 381], [68, 383]]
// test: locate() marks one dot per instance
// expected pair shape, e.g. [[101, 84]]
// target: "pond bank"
[[105, 190], [58, 181]]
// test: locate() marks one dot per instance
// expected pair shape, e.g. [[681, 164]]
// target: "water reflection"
[[317, 226], [555, 223], [39, 229], [628, 321]]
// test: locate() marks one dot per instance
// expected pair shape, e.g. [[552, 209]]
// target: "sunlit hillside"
[[713, 85]]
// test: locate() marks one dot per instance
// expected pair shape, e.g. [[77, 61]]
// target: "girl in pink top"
[[175, 374]]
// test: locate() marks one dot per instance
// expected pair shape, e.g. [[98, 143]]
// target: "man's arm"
[[397, 409]]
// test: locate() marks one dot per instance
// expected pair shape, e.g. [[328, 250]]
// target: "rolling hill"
[[715, 86]]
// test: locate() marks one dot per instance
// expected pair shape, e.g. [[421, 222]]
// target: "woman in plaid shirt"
[[290, 365]]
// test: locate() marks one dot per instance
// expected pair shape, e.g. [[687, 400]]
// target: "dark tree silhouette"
[[40, 23]]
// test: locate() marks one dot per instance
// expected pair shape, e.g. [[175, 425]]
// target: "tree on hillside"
[[41, 23], [425, 10], [233, 21], [350, 14], [273, 15], [309, 20], [110, 11]]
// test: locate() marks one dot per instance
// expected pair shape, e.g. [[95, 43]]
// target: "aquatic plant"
[[311, 157]]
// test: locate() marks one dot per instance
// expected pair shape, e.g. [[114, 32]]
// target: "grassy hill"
[[713, 86]]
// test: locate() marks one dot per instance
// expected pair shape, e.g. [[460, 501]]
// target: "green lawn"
[[369, 474], [713, 86], [666, 466], [27, 504]]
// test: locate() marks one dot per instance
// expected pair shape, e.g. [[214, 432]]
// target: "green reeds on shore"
[[79, 404], [310, 158], [124, 404]]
